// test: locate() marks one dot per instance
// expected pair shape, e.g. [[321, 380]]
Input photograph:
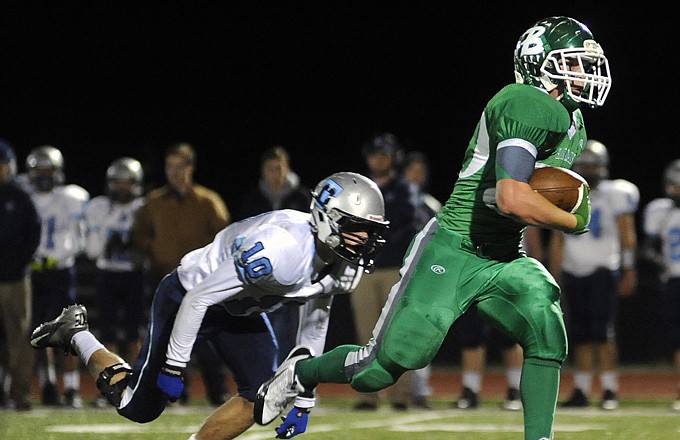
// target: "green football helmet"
[[561, 52]]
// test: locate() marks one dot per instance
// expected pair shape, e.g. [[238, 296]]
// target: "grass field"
[[334, 419]]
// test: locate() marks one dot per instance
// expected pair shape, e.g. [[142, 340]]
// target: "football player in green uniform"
[[469, 255]]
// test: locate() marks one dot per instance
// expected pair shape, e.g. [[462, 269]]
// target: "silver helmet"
[[41, 158], [343, 204], [125, 169], [671, 179], [593, 163]]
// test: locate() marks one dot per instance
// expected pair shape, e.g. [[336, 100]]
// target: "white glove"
[[344, 278], [348, 276]]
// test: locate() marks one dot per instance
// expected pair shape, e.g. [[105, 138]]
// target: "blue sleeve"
[[514, 163]]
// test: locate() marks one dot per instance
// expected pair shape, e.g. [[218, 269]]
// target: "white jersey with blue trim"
[[252, 266], [662, 221], [62, 213], [103, 218], [601, 247]]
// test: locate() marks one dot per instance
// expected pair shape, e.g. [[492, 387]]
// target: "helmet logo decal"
[[592, 45], [531, 42], [437, 269], [330, 189]]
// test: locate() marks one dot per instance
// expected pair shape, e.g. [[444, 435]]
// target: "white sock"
[[472, 380], [85, 345], [51, 375], [513, 376], [421, 382], [583, 381], [609, 381], [193, 437], [71, 380]]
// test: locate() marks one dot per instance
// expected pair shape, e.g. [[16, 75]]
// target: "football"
[[559, 185]]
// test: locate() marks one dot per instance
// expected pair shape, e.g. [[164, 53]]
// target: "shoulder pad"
[[76, 191]]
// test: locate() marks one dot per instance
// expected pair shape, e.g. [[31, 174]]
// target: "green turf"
[[333, 419]]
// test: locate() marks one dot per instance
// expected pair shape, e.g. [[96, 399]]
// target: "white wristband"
[[305, 402], [175, 363]]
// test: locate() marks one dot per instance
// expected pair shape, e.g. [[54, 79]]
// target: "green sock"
[[539, 387], [328, 368]]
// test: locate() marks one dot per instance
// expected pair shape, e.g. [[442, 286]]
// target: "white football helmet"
[[345, 203], [44, 158], [125, 169], [593, 163]]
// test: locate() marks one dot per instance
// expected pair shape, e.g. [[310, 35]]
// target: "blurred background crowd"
[[98, 102]]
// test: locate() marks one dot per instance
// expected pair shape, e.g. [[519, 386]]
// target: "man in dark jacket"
[[19, 238], [278, 188], [382, 154]]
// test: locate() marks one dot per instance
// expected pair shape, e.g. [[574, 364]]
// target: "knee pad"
[[376, 376], [527, 307], [113, 392], [545, 336]]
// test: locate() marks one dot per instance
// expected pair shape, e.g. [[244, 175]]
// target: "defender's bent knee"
[[113, 392]]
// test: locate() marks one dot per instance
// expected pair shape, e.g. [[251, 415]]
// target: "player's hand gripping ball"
[[562, 187]]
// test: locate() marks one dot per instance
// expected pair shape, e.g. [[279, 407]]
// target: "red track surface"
[[634, 383]]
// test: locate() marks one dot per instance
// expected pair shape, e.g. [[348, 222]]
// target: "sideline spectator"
[[278, 188], [416, 170], [175, 219], [383, 155], [19, 239]]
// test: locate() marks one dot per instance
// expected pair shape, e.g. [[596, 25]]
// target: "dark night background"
[[101, 80]]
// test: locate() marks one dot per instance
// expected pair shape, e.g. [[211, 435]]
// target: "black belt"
[[491, 250]]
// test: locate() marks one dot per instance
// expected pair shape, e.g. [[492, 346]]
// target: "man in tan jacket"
[[177, 218]]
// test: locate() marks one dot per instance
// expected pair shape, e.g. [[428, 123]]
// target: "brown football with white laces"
[[561, 186]]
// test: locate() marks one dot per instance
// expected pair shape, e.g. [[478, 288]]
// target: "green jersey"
[[519, 115]]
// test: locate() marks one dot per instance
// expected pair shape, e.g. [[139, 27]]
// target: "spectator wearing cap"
[[19, 238], [382, 155]]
